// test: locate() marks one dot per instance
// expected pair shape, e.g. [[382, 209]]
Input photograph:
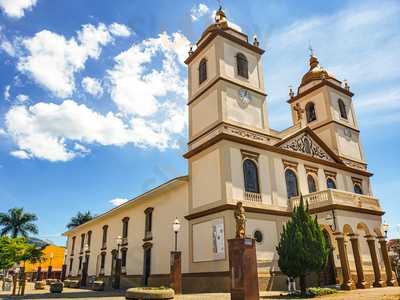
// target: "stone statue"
[[240, 221], [299, 111]]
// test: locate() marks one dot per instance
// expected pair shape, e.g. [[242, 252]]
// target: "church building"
[[234, 156]]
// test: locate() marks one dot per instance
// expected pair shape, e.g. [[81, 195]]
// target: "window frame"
[[148, 225], [289, 169], [257, 185], [308, 114], [342, 109], [242, 65], [202, 70], [315, 180], [104, 237], [125, 230], [334, 182]]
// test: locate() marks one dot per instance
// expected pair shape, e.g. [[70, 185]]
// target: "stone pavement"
[[390, 293]]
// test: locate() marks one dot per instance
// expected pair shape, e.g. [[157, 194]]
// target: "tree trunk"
[[303, 284]]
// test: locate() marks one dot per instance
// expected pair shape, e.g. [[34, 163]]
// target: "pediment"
[[306, 143]]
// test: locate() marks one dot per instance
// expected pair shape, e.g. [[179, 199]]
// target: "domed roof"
[[316, 72]]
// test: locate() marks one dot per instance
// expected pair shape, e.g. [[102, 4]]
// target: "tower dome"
[[316, 72]]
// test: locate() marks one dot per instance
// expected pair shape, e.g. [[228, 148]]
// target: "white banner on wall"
[[218, 238]]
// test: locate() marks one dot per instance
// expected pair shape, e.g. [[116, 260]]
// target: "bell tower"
[[325, 104], [226, 89]]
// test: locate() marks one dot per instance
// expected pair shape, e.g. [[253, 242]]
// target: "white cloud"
[[120, 30], [16, 8], [6, 93], [2, 132], [118, 201], [21, 154], [22, 98], [52, 60], [92, 86], [7, 46], [132, 70], [198, 11]]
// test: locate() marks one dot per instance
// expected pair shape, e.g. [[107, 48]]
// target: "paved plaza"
[[389, 293]]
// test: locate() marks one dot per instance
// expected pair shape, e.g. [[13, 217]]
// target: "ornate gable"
[[305, 144]]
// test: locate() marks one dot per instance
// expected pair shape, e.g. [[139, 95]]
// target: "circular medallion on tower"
[[244, 97]]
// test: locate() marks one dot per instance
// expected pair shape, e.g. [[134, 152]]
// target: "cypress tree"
[[302, 247]]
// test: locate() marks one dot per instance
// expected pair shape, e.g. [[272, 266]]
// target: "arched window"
[[202, 70], [242, 65], [312, 187], [358, 189], [250, 176], [291, 183], [310, 112], [330, 183], [342, 108]]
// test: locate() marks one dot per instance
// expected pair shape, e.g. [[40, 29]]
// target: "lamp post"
[[176, 264], [116, 279], [176, 226], [385, 228], [50, 268]]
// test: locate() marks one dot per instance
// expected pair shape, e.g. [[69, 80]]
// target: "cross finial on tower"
[[310, 48]]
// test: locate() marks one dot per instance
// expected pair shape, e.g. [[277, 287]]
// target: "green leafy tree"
[[80, 219], [302, 247], [17, 223]]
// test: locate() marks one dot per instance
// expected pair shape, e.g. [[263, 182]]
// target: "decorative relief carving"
[[247, 134], [305, 144], [355, 165]]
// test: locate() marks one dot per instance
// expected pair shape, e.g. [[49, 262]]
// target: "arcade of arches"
[[347, 262]]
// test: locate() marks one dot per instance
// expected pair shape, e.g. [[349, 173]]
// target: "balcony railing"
[[332, 196], [252, 197]]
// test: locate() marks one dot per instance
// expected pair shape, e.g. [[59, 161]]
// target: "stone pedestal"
[[175, 275], [243, 269]]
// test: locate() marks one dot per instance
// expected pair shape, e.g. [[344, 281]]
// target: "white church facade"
[[233, 155]]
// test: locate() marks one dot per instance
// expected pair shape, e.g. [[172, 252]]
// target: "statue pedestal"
[[243, 269], [175, 276]]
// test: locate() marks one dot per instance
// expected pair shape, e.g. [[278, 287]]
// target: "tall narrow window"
[[242, 65], [73, 245], [82, 241], [342, 109], [202, 70], [89, 239], [330, 183], [148, 223], [71, 262], [102, 262], [357, 188], [310, 112], [104, 240], [312, 187], [80, 263], [123, 260], [291, 183], [250, 176], [125, 222]]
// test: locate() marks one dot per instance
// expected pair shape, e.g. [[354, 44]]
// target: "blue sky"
[[92, 97]]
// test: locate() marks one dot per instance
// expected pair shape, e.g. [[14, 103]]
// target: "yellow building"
[[53, 256], [234, 155]]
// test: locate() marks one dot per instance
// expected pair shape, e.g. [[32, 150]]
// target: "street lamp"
[[118, 265], [385, 229], [176, 226]]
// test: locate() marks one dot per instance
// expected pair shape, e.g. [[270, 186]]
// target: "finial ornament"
[[190, 50], [291, 93], [240, 221], [310, 48], [346, 85], [256, 41]]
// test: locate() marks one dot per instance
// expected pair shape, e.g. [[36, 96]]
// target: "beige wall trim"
[[289, 164], [249, 154], [217, 79], [346, 208], [270, 148], [330, 174], [220, 32], [311, 169], [233, 207], [336, 122], [316, 87]]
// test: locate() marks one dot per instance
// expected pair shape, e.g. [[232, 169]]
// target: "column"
[[344, 262], [361, 284], [377, 272], [386, 260]]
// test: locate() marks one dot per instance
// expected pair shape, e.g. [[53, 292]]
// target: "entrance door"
[[329, 273], [146, 265]]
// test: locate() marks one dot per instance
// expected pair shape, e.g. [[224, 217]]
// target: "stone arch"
[[328, 275], [363, 228], [347, 230], [378, 232]]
